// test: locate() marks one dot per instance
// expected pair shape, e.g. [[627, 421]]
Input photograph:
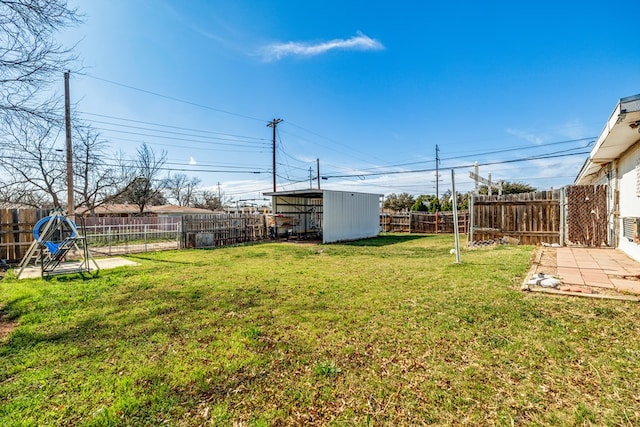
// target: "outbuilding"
[[615, 161], [333, 216]]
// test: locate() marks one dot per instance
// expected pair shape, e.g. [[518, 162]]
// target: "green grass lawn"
[[388, 331]]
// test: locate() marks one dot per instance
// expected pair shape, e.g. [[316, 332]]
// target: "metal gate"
[[586, 215]]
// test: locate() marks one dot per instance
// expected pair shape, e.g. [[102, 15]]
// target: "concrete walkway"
[[598, 268], [73, 266]]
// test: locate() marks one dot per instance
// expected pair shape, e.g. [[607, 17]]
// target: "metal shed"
[[334, 216]]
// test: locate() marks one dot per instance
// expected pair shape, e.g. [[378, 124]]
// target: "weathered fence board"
[[200, 231], [395, 222], [16, 231], [532, 218], [439, 222]]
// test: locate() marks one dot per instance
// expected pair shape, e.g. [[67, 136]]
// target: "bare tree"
[[147, 186], [181, 188], [209, 200], [97, 179], [34, 167], [30, 57], [31, 61]]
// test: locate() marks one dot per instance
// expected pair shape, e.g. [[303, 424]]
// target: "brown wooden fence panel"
[[395, 222], [439, 222], [222, 229], [532, 218], [587, 215], [16, 231]]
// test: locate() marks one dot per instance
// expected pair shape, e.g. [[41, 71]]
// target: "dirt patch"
[[6, 326], [544, 262]]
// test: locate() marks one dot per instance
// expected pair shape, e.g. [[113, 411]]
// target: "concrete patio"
[[600, 270]]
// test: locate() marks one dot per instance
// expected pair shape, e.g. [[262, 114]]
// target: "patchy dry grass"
[[388, 331]]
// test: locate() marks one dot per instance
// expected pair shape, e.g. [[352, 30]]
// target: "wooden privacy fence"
[[439, 222], [423, 222], [205, 231], [16, 231], [532, 218], [395, 222]]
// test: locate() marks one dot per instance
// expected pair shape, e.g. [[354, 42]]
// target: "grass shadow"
[[385, 240], [154, 259]]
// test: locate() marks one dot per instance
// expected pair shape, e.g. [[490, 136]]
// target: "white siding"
[[629, 198], [350, 216]]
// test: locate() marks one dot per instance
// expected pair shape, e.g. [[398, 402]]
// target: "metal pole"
[[455, 215], [67, 120], [272, 124], [437, 174], [475, 170], [470, 227]]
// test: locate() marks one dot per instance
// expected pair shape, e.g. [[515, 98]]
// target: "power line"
[[485, 153], [171, 98], [176, 133], [172, 138], [172, 127], [457, 167], [248, 150], [132, 165]]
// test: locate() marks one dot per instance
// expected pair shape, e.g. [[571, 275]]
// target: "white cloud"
[[276, 51], [192, 161], [527, 136]]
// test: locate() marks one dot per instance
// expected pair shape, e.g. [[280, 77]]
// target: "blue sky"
[[369, 88]]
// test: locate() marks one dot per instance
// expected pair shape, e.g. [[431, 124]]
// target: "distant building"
[[128, 210]]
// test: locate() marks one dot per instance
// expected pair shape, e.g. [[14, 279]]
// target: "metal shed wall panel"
[[350, 216]]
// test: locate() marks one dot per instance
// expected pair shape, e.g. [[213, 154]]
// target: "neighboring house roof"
[[172, 209], [127, 208], [619, 134]]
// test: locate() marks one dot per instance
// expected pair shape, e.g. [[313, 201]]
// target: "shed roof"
[[619, 134], [310, 193]]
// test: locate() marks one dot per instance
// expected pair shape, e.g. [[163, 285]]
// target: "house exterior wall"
[[350, 216], [629, 196]]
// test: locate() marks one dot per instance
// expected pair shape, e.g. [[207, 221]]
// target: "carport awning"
[[298, 193], [618, 135]]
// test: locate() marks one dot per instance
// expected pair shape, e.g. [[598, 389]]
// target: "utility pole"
[[437, 175], [67, 122], [318, 170], [272, 124], [475, 172], [310, 178]]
